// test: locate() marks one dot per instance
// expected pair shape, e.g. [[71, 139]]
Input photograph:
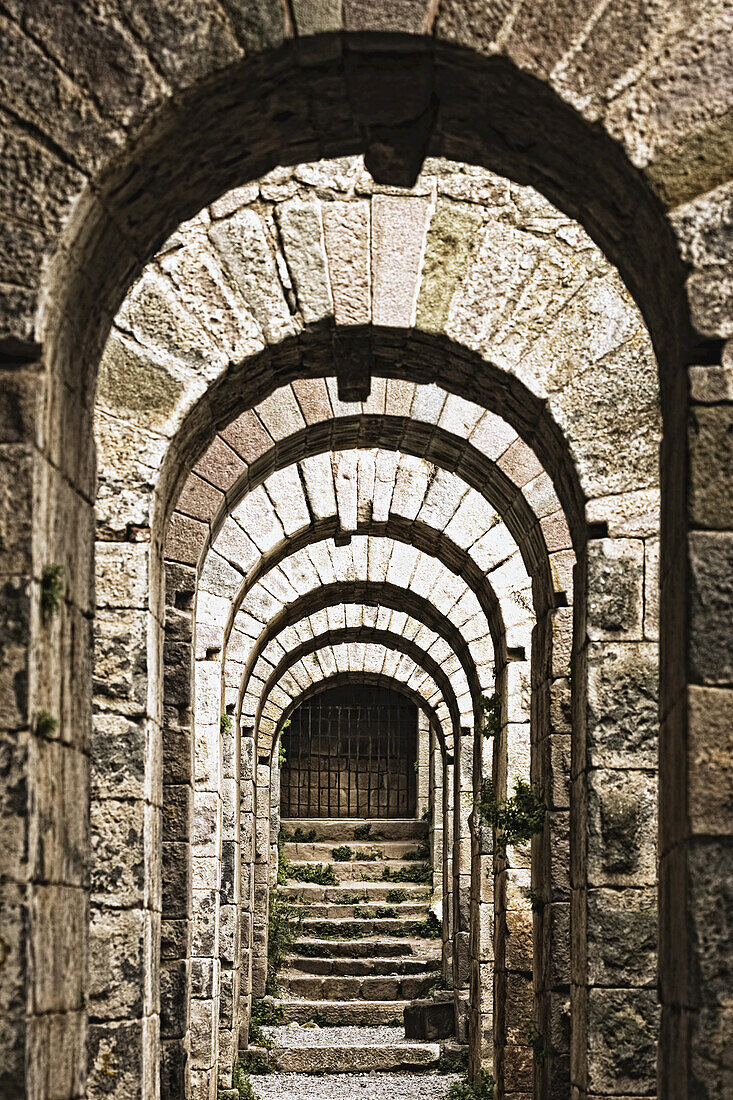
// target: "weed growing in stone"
[[243, 1085], [52, 589], [315, 951], [454, 1063], [320, 873], [430, 929], [536, 1041], [342, 854], [299, 836], [490, 714], [266, 1013], [422, 872], [535, 899], [46, 724], [247, 1065], [515, 819], [396, 896], [363, 832], [282, 928], [421, 852], [481, 1089]]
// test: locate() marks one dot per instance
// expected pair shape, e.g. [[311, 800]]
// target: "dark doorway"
[[351, 752]]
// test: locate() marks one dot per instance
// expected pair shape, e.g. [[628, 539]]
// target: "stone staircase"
[[363, 949]]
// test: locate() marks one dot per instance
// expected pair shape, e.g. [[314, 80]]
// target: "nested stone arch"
[[659, 141], [450, 594], [490, 458], [356, 652], [380, 595], [361, 626]]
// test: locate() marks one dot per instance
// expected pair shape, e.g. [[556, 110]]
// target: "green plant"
[[52, 589], [536, 1041], [342, 854], [46, 724], [430, 929], [257, 1037], [515, 819], [427, 815], [385, 911], [396, 896], [454, 1063], [362, 832], [371, 857], [320, 873], [282, 928], [247, 1064], [535, 899], [422, 872], [242, 1083], [315, 951], [421, 852], [490, 714], [284, 869], [266, 1013], [282, 758], [481, 1089], [225, 724], [300, 836]]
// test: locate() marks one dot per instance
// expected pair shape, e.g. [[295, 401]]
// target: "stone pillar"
[[246, 878], [481, 1021], [696, 780], [45, 708], [206, 879], [261, 880], [517, 955], [448, 800], [435, 830], [614, 815], [463, 807], [423, 764], [125, 821], [230, 910], [550, 899], [175, 966]]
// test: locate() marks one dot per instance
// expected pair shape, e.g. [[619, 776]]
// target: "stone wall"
[[113, 134]]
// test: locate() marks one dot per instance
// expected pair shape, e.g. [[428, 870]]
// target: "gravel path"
[[346, 1086], [295, 1035]]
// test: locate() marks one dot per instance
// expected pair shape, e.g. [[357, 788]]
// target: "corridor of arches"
[[366, 538]]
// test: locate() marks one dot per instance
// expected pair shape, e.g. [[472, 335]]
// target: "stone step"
[[340, 830], [361, 892], [323, 851], [358, 928], [365, 948], [388, 987], [346, 1013], [364, 910], [360, 871], [364, 967], [354, 1058]]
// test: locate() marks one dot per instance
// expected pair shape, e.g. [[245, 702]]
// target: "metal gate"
[[351, 752]]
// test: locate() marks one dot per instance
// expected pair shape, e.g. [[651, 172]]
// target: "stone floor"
[[362, 953], [346, 1086]]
